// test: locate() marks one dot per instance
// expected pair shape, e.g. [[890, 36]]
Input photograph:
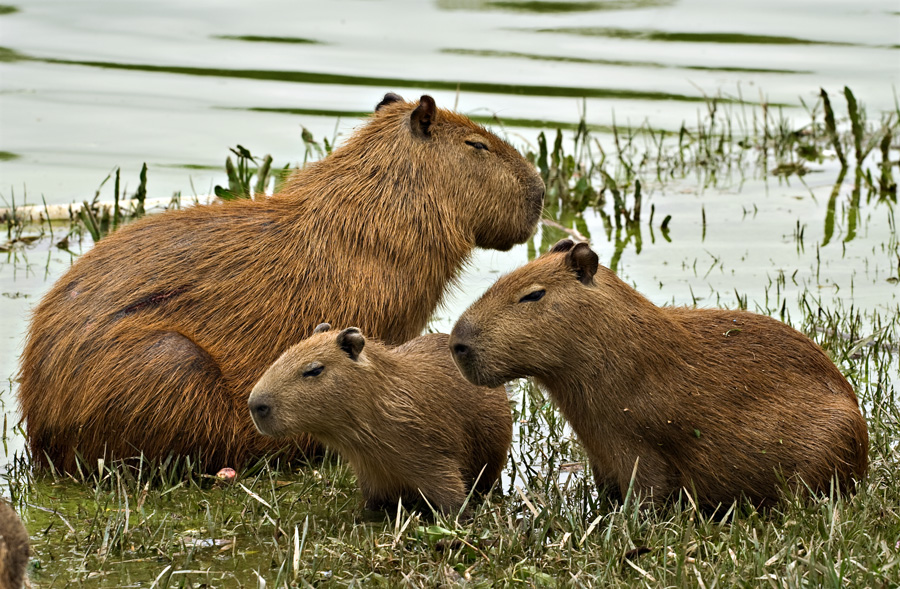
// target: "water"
[[98, 86], [88, 86]]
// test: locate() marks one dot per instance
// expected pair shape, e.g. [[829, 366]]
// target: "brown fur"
[[403, 417], [14, 549], [719, 402], [152, 341]]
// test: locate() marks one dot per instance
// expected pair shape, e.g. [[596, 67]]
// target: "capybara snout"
[[722, 403], [461, 339], [260, 409]]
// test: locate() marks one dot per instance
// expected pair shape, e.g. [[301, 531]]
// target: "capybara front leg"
[[606, 484], [445, 491]]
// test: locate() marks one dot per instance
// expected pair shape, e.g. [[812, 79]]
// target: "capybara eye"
[[533, 296], [314, 371], [477, 145]]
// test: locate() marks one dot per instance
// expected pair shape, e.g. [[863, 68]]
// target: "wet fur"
[[153, 339], [404, 417], [14, 548], [719, 402]]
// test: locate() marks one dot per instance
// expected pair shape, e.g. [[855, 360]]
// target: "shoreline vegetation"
[[545, 524], [731, 138]]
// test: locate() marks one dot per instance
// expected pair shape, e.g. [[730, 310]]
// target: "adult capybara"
[[721, 403], [152, 341], [404, 417], [14, 549]]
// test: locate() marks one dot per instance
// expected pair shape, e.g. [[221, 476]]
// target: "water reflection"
[[483, 119], [379, 82], [884, 193], [259, 39], [615, 62], [549, 6], [691, 37]]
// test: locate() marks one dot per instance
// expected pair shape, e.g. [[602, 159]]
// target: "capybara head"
[[492, 190], [314, 387], [523, 324]]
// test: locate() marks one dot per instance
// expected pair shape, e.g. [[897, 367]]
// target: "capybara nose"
[[460, 342], [461, 351], [260, 409]]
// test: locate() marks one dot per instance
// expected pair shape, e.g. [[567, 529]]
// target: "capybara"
[[404, 417], [717, 402], [152, 340], [14, 549]]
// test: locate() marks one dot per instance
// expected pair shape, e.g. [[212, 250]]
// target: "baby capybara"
[[720, 403], [404, 417], [14, 549], [152, 341]]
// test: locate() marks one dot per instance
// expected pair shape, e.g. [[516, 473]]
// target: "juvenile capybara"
[[14, 549], [404, 417], [721, 403], [153, 339]]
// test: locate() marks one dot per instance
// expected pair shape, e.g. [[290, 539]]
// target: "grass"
[[544, 525]]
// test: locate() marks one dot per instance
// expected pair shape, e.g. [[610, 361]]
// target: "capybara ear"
[[351, 341], [582, 259], [389, 98], [420, 120], [563, 245], [322, 328]]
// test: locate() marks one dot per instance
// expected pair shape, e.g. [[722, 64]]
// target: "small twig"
[[590, 529], [54, 512], [254, 495], [527, 502], [573, 232]]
